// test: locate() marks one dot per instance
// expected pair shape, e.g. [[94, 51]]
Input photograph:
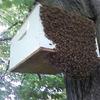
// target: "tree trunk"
[[89, 88]]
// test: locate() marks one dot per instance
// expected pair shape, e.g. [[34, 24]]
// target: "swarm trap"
[[52, 41], [74, 37]]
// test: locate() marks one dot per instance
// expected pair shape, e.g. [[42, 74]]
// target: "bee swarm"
[[74, 36]]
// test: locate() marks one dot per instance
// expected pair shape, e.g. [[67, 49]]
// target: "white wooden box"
[[29, 46]]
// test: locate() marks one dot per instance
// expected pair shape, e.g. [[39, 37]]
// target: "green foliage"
[[17, 3], [4, 50], [12, 11], [48, 88]]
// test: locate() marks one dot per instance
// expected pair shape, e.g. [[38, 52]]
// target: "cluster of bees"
[[74, 36]]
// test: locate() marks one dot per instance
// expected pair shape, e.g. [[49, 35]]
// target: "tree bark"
[[89, 88]]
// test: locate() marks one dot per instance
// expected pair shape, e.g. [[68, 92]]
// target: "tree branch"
[[5, 39], [12, 26]]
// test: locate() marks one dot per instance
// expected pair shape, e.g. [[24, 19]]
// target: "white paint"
[[34, 38], [97, 48]]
